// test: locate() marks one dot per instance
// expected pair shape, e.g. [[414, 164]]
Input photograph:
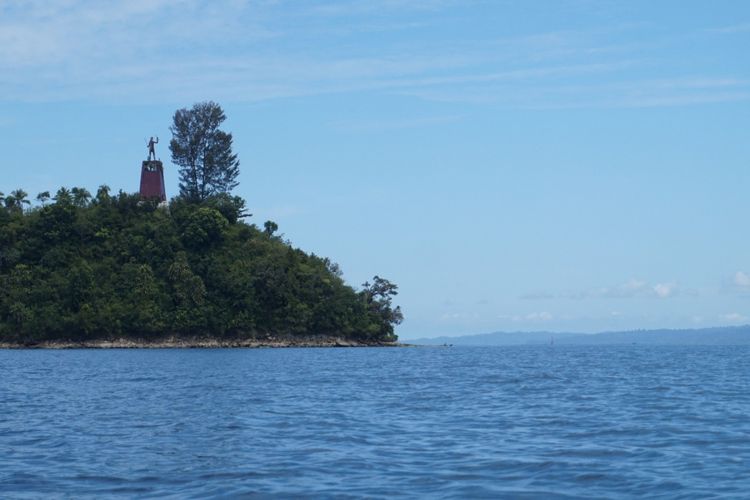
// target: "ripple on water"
[[521, 422]]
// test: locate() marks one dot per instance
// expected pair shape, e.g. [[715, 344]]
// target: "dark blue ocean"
[[462, 422]]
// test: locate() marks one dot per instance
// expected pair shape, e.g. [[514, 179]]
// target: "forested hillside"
[[78, 267]]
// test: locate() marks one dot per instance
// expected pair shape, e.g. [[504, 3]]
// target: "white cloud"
[[539, 316], [370, 7], [454, 315], [448, 316], [533, 317], [664, 290], [633, 288], [741, 279], [633, 94], [250, 50], [738, 284], [733, 318]]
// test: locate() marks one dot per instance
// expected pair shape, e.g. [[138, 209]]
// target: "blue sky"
[[513, 165]]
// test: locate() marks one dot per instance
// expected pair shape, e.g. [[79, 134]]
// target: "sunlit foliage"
[[78, 267]]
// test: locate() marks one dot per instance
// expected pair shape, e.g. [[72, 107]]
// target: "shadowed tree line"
[[79, 266]]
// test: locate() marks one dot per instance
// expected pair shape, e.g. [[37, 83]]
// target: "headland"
[[120, 271]]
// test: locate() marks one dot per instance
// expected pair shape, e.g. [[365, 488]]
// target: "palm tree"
[[43, 197], [21, 197], [81, 196], [16, 200], [102, 194], [62, 195]]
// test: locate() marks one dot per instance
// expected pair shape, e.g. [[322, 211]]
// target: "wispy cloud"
[[737, 284], [741, 279], [664, 290], [633, 288], [630, 289], [533, 317], [369, 7], [733, 317], [731, 29], [253, 50], [396, 124], [451, 316], [539, 94]]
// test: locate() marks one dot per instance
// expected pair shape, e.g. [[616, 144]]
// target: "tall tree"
[[43, 197], [16, 200], [102, 194], [203, 152], [63, 196], [379, 299], [81, 196]]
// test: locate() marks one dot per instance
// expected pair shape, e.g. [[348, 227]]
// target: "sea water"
[[537, 421]]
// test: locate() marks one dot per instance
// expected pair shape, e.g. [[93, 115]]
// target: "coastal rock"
[[268, 341]]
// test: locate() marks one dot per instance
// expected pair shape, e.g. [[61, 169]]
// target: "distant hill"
[[497, 338], [735, 335]]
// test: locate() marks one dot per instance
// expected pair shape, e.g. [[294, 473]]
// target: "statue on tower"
[[151, 149], [152, 175]]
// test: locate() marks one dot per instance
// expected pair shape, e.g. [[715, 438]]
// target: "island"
[[137, 270], [114, 270]]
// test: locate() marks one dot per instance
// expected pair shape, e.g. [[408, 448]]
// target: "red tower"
[[152, 181]]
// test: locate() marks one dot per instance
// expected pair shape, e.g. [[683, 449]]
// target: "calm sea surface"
[[542, 421]]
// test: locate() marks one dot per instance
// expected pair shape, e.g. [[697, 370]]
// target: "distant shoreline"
[[726, 335], [199, 343]]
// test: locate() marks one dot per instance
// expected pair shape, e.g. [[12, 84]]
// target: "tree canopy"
[[107, 266], [203, 152], [83, 267]]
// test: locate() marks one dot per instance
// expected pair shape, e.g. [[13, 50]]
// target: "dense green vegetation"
[[83, 267]]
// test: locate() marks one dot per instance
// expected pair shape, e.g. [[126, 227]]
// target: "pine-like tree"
[[203, 152]]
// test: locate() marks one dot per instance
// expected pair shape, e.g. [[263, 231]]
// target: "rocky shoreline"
[[199, 343]]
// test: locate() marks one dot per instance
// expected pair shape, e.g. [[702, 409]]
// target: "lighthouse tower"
[[152, 176]]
